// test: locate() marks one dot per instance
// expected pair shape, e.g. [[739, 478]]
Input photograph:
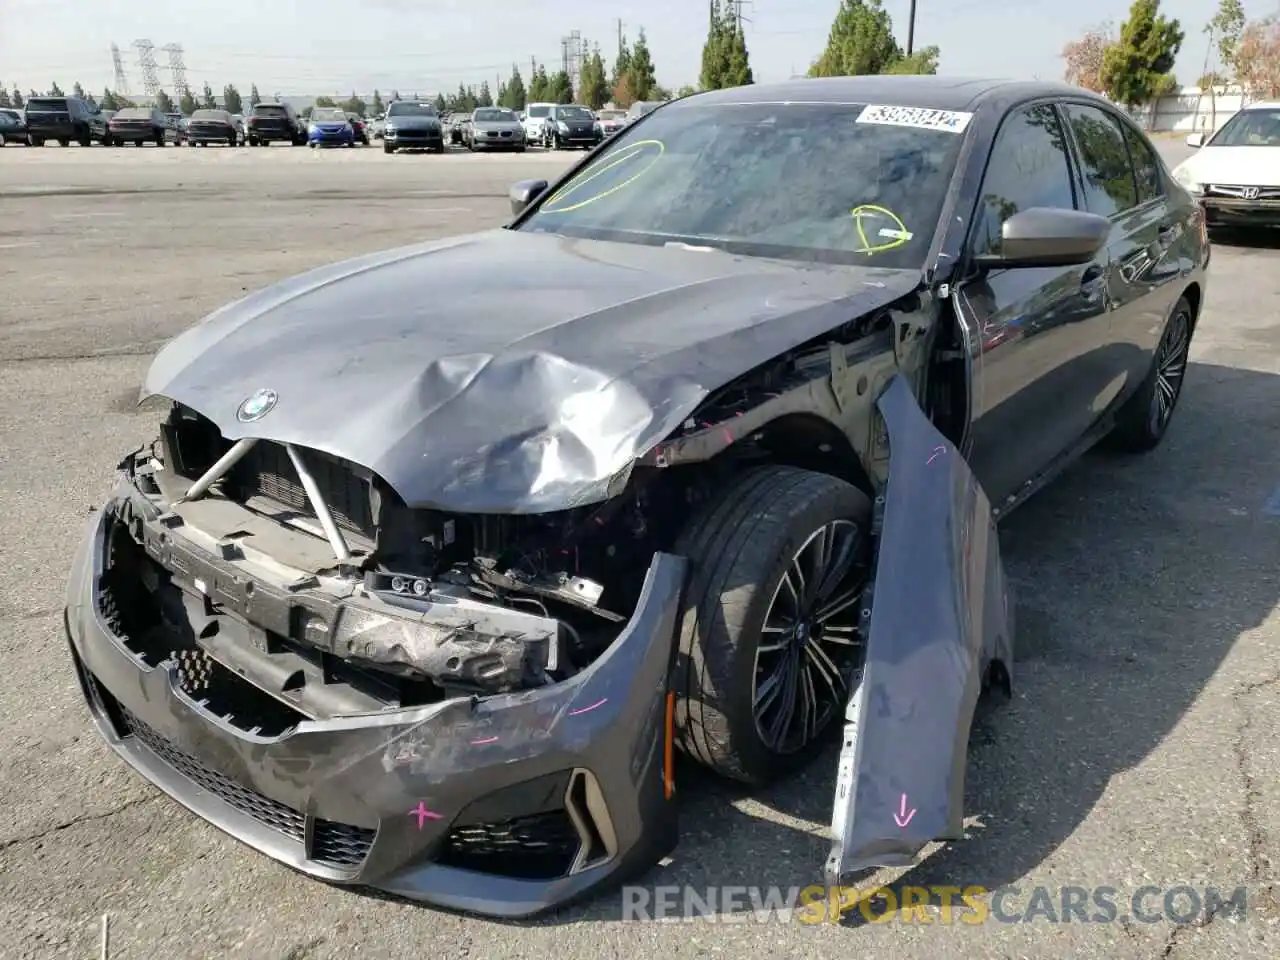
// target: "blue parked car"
[[330, 127]]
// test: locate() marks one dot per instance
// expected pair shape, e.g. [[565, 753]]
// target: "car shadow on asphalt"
[[1134, 576]]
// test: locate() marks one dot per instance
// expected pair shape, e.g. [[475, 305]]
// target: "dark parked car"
[[495, 128], [138, 125], [213, 126], [269, 122], [64, 119], [571, 125], [413, 124], [427, 602], [13, 129]]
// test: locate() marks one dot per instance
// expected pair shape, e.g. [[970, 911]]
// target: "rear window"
[[133, 113], [46, 104], [269, 110], [219, 115]]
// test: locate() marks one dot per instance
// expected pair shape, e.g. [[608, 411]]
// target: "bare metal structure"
[[121, 80], [177, 67], [147, 64]]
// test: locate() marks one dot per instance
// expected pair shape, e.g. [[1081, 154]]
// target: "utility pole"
[[619, 34], [911, 29]]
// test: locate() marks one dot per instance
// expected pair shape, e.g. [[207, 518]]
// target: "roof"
[[938, 93], [1262, 105]]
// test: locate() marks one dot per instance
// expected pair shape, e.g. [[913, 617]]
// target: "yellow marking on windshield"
[[872, 209], [634, 150]]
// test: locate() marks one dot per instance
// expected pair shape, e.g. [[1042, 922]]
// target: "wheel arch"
[[1195, 298], [809, 441]]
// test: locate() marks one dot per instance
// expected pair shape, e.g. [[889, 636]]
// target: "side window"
[[1145, 166], [1109, 185], [1028, 168]]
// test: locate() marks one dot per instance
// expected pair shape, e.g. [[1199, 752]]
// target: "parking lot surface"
[[1141, 748]]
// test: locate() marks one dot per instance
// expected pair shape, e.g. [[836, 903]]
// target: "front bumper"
[[578, 769], [335, 139], [423, 139], [510, 142], [1233, 212]]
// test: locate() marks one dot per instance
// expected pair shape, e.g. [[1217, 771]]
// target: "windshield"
[[495, 116], [11, 114], [808, 182], [46, 104], [412, 110], [270, 110], [574, 113], [536, 112], [328, 115], [1250, 128]]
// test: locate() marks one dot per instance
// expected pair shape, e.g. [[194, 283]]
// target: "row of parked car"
[[406, 124]]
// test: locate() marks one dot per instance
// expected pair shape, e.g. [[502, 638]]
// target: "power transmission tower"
[[177, 67], [572, 54], [147, 64], [121, 81], [737, 5]]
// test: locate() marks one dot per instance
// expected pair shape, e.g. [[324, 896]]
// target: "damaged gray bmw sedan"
[[442, 554]]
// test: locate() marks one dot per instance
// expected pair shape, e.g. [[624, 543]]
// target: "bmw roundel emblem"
[[257, 406]]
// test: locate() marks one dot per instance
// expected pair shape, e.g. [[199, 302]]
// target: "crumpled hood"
[[504, 372], [1238, 166]]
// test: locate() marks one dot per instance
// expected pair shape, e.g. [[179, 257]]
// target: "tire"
[[387, 148], [740, 547], [1142, 422], [160, 141], [36, 141], [85, 141], [64, 142]]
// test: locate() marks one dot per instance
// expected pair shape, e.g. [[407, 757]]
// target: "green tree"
[[354, 104], [560, 88], [922, 61], [207, 99], [376, 106], [164, 103], [395, 95], [621, 63], [108, 99], [593, 81], [56, 91], [1135, 69], [186, 102], [1227, 25], [725, 61], [17, 99], [231, 101], [78, 91], [861, 41], [324, 102], [514, 94], [442, 104], [642, 80], [255, 98], [4, 97], [539, 86], [485, 97], [688, 90], [306, 112]]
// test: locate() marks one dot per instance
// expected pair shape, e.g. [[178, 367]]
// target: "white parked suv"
[[535, 116]]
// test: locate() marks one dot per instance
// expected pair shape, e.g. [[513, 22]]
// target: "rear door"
[[1041, 334], [938, 616], [1122, 180]]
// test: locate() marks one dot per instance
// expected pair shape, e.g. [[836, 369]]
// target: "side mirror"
[[1195, 140], [1048, 237], [524, 193]]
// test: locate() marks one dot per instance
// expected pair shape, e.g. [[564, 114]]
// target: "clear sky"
[[331, 46]]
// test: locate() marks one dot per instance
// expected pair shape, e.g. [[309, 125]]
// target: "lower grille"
[[536, 847], [334, 844]]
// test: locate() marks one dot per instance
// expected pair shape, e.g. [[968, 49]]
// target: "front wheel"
[[387, 148], [1144, 419], [64, 142], [770, 647]]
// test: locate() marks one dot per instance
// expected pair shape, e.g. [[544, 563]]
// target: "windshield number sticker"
[[952, 121]]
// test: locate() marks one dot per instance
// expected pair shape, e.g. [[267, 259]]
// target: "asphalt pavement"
[[1141, 747]]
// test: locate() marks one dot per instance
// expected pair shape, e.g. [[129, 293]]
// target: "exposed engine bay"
[[428, 604]]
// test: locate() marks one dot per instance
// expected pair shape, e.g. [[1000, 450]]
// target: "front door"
[[1039, 336]]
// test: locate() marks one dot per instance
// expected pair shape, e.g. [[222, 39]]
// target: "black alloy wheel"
[[1144, 419]]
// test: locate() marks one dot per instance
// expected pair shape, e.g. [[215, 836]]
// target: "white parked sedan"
[[1236, 172]]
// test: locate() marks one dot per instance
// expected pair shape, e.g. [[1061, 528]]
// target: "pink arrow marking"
[[423, 814], [903, 816]]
